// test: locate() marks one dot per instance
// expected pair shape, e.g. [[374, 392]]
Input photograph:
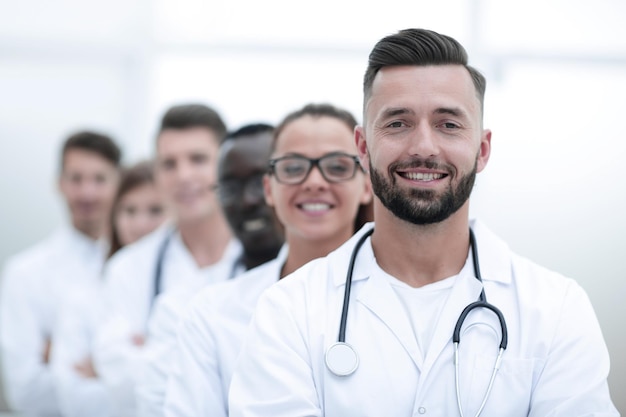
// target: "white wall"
[[554, 187]]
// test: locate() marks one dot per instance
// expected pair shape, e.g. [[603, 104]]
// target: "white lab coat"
[[158, 355], [156, 360], [556, 363], [129, 293], [35, 285], [210, 335], [79, 396]]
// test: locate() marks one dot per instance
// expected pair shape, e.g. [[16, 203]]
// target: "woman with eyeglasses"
[[317, 188]]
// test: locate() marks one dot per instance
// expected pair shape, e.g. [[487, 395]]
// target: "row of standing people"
[[107, 351], [365, 323]]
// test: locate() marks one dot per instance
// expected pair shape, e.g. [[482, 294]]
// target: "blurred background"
[[554, 187]]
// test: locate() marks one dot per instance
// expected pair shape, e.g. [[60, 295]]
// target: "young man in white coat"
[[242, 163], [35, 282], [390, 349], [197, 247]]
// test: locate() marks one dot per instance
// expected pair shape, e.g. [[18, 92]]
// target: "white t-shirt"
[[423, 306]]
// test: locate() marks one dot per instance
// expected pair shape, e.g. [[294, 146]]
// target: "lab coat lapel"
[[179, 266], [466, 290], [378, 296], [494, 259]]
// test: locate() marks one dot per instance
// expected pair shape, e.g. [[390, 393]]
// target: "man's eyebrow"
[[453, 111], [396, 111]]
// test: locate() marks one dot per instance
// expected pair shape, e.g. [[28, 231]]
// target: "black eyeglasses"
[[294, 169]]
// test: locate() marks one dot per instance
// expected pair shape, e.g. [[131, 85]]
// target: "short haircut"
[[250, 130], [187, 116], [316, 111], [419, 47], [97, 143]]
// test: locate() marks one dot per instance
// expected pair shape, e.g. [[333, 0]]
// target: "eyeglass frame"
[[314, 162]]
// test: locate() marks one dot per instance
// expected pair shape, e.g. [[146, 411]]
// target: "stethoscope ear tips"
[[341, 359]]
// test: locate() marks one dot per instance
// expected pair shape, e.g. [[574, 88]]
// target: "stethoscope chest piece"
[[341, 359]]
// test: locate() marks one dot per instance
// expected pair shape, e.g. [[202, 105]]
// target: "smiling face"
[[423, 141], [186, 172], [242, 164], [138, 212], [88, 183], [316, 209]]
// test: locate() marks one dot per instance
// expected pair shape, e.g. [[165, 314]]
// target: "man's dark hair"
[[316, 111], [95, 142], [419, 47], [186, 116], [250, 130]]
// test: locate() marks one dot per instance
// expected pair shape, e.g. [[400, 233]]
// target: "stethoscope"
[[158, 270], [342, 360]]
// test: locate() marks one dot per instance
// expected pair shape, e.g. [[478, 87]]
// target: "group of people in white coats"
[[113, 342], [36, 282], [51, 293], [138, 209], [318, 189], [271, 292]]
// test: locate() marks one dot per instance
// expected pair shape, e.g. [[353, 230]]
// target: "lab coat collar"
[[339, 259], [232, 258], [494, 259], [494, 256], [82, 244], [380, 298], [281, 258], [226, 267]]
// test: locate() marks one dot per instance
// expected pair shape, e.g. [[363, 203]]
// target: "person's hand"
[[46, 351], [138, 339], [85, 368]]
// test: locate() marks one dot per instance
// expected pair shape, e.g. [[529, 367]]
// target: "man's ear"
[[361, 147], [484, 151]]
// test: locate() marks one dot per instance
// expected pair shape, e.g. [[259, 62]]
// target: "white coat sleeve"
[[28, 381], [157, 356], [116, 354], [195, 384], [574, 378], [78, 396], [273, 376]]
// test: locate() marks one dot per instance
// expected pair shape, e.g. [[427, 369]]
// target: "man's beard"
[[422, 207]]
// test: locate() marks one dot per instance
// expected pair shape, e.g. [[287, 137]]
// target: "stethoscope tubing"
[[341, 349], [346, 297], [160, 260]]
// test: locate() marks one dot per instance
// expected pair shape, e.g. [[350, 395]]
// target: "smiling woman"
[[315, 182], [138, 208], [316, 186]]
